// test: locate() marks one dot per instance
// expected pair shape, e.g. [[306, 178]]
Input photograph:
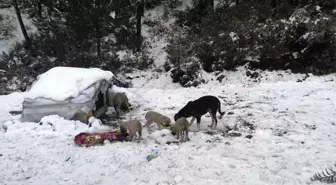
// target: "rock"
[[195, 83], [171, 142], [167, 67], [3, 79], [209, 132], [252, 74], [248, 136], [234, 134], [159, 70], [220, 78]]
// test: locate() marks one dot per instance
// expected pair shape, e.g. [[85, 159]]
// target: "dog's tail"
[[219, 110]]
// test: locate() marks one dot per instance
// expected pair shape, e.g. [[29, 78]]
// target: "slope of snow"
[[152, 79], [157, 35], [7, 44], [60, 83], [292, 124]]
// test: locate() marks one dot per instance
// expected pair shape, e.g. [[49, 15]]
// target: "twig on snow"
[[327, 176]]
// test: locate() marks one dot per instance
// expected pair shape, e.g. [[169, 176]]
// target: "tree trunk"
[[23, 29], [237, 2], [98, 43], [143, 8], [39, 8], [97, 29], [294, 2], [304, 2], [314, 2], [274, 3], [138, 25], [212, 6]]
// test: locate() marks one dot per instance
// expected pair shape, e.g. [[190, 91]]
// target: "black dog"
[[199, 107]]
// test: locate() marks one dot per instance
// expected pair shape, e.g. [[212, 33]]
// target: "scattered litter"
[[248, 136], [154, 154]]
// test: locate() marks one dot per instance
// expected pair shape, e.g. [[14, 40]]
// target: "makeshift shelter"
[[70, 92]]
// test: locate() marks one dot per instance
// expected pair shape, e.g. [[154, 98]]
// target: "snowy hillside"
[[292, 126], [16, 35], [261, 59]]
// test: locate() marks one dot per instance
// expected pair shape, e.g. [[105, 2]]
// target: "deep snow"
[[292, 124]]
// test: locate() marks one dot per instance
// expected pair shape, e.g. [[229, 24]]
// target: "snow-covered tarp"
[[65, 91]]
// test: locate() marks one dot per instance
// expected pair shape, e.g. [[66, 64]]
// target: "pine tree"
[[90, 21]]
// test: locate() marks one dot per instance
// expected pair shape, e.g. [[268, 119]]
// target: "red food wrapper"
[[91, 139]]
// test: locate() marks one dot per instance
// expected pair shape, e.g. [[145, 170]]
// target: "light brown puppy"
[[181, 128], [120, 101], [159, 119], [132, 126]]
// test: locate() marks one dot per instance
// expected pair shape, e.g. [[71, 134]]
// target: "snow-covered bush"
[[300, 39], [188, 75], [134, 60], [305, 42]]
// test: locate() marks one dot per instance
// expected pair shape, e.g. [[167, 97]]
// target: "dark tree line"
[[270, 35], [83, 24]]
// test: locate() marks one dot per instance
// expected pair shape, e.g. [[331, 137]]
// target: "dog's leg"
[[198, 123], [181, 135], [160, 125], [131, 136], [116, 110], [192, 120], [213, 114], [187, 134], [177, 133], [212, 119], [148, 123], [139, 133]]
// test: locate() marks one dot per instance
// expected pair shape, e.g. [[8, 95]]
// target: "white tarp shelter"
[[69, 92]]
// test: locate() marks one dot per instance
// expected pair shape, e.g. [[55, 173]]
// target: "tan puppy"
[[181, 128], [120, 101], [132, 126], [159, 119]]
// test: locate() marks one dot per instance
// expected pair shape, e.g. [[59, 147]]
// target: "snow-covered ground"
[[292, 126]]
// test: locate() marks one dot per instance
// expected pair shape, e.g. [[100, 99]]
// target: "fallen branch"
[[327, 176]]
